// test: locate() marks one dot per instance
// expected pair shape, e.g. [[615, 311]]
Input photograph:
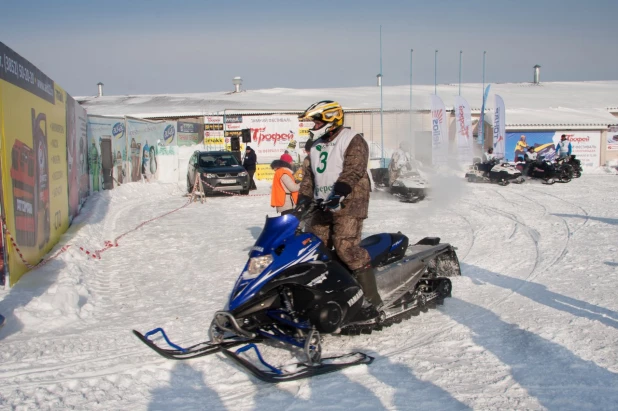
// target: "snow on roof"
[[547, 104]]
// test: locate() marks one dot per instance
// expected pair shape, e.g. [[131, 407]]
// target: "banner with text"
[[499, 128], [463, 130], [34, 160], [439, 132]]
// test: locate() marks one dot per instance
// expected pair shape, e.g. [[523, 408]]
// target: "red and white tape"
[[234, 194], [94, 254]]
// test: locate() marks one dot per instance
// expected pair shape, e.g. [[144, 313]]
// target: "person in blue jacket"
[[564, 148]]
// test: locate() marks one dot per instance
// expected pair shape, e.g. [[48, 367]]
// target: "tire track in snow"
[[536, 270]]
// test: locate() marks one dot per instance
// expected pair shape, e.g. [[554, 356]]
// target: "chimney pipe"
[[237, 81], [100, 89], [537, 74], [379, 76]]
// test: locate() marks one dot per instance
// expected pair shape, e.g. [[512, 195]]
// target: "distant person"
[[399, 160], [304, 168], [564, 148], [284, 194], [250, 163], [520, 148], [287, 157]]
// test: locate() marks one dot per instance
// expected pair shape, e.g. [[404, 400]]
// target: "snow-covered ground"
[[532, 324]]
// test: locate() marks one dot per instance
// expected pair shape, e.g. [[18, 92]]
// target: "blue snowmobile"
[[293, 289]]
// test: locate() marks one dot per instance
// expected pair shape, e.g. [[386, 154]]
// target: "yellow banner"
[[214, 140], [264, 172], [34, 171]]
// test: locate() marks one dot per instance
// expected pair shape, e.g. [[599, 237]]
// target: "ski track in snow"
[[533, 322]]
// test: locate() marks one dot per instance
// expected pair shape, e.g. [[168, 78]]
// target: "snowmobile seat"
[[385, 248], [429, 241]]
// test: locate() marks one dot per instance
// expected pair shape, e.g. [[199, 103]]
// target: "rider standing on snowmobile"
[[488, 155], [564, 148], [399, 160], [337, 179]]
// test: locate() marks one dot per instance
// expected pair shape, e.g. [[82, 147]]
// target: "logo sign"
[[213, 119], [168, 134], [260, 136], [187, 127], [118, 130], [233, 119]]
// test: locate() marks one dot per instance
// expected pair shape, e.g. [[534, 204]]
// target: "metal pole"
[[435, 73], [460, 55], [411, 51], [483, 91], [383, 161]]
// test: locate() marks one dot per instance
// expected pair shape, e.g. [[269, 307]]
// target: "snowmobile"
[[293, 290], [494, 171], [574, 163], [409, 187], [547, 171]]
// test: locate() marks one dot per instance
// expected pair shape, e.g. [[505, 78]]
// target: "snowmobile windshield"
[[275, 230]]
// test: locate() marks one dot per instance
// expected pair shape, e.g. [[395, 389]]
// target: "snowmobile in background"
[[495, 171], [409, 187], [292, 290], [547, 171], [574, 163]]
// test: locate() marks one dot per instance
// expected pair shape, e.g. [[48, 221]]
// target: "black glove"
[[303, 204], [334, 203]]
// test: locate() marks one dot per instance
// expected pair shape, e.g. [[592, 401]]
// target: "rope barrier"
[[110, 244]]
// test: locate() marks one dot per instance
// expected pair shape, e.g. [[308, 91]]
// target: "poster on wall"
[[189, 133], [34, 135], [271, 135], [612, 138], [77, 156], [107, 152], [585, 145], [152, 151]]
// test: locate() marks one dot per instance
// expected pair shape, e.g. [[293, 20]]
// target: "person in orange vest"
[[284, 194]]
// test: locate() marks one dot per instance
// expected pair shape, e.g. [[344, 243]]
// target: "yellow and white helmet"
[[328, 112]]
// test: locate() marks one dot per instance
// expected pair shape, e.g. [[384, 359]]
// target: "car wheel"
[[244, 192]]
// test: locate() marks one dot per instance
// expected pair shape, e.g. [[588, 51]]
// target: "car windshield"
[[217, 160]]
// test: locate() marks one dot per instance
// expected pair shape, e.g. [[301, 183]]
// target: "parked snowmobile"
[[293, 289], [548, 172], [494, 171], [574, 163], [409, 187]]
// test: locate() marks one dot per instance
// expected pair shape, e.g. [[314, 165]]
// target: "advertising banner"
[[77, 156], [482, 118], [152, 150], [585, 145], [463, 130], [499, 128], [612, 138], [189, 133], [439, 132], [34, 163], [271, 135], [107, 152]]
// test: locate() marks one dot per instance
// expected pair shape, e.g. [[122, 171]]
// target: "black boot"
[[367, 280]]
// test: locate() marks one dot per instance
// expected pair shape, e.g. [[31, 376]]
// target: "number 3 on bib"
[[322, 166]]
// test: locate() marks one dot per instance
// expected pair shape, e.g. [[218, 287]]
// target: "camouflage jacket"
[[354, 174]]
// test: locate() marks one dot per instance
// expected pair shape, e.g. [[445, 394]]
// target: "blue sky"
[[149, 47]]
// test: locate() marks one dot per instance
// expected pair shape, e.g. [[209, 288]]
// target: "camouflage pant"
[[344, 233]]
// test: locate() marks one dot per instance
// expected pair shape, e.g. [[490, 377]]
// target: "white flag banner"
[[499, 127], [463, 127], [439, 132]]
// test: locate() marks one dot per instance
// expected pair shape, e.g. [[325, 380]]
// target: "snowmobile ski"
[[295, 371], [198, 350]]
